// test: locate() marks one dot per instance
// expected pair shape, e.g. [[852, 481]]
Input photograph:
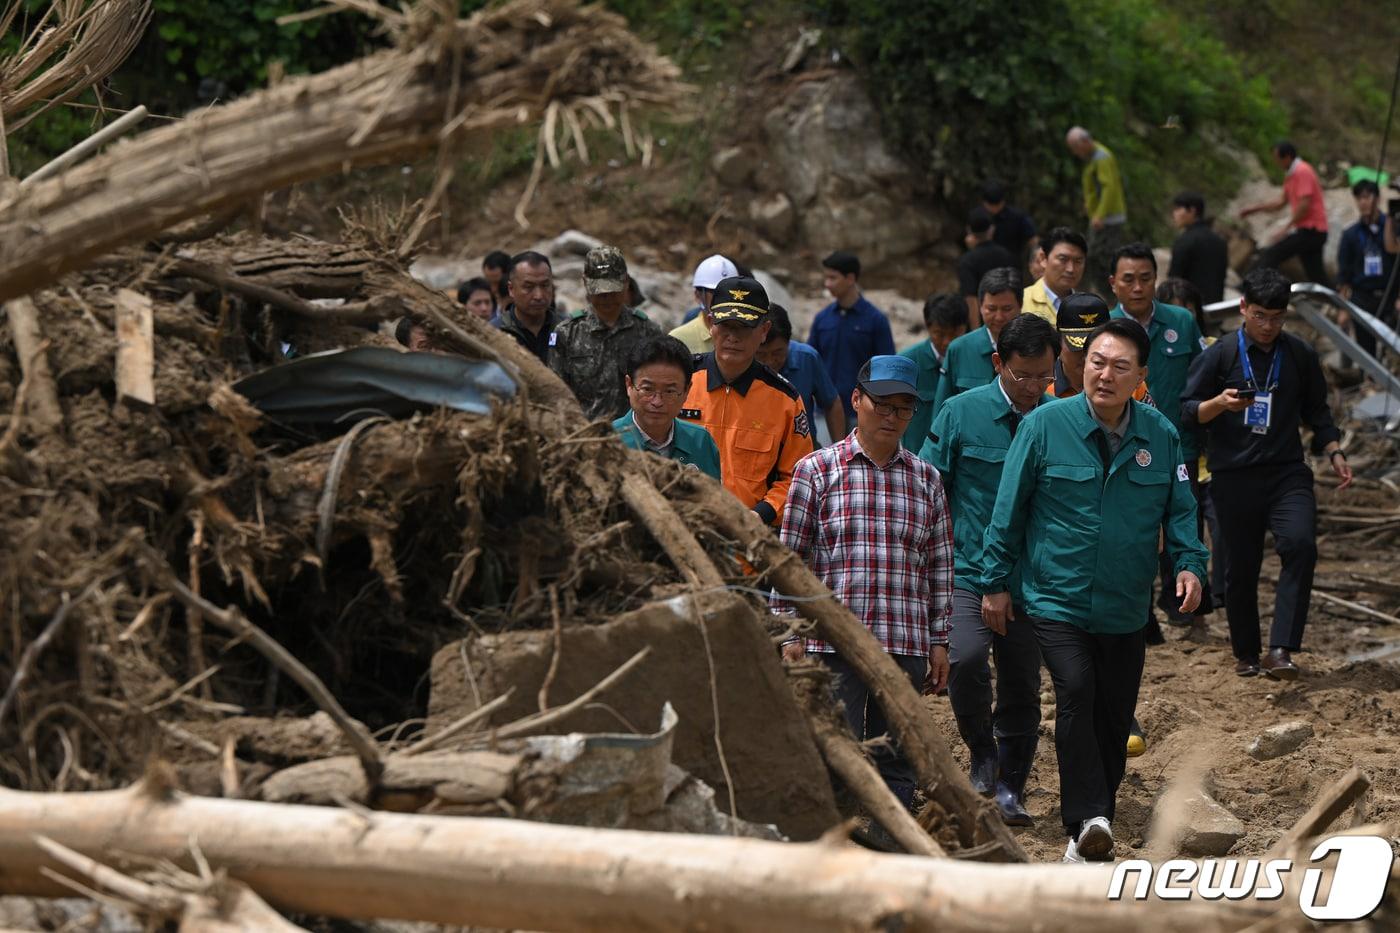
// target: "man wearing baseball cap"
[[1078, 316], [589, 351], [755, 416], [871, 520], [695, 331]]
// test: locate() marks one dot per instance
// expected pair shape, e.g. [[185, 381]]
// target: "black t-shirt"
[[978, 261], [1201, 257], [1013, 231]]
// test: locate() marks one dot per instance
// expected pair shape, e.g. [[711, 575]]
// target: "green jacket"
[[1103, 187], [968, 445], [1176, 342], [930, 369], [692, 443], [1086, 544], [967, 365]]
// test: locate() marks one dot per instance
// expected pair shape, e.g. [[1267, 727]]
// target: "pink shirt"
[[1298, 183]]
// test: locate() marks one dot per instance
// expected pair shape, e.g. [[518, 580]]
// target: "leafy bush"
[[972, 89]]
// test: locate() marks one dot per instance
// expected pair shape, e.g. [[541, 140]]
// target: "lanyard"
[[1272, 383]]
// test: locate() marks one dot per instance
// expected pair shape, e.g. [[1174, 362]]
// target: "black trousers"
[[1249, 502], [1307, 246], [867, 720], [1096, 680], [1017, 654], [1367, 301]]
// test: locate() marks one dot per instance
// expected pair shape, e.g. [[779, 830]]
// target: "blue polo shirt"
[[808, 376], [847, 339]]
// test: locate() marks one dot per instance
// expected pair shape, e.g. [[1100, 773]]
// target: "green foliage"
[[980, 88], [686, 29]]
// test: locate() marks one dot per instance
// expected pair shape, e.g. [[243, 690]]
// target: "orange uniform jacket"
[[761, 427]]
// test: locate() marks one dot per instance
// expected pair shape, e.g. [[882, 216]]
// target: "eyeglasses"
[[1028, 380], [1266, 317], [885, 409], [647, 390]]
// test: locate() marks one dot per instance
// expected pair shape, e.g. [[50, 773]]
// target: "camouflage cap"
[[604, 271]]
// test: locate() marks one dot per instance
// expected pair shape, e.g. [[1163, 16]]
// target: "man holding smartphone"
[[1250, 392]]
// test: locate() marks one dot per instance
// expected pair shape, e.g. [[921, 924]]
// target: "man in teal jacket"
[[657, 380], [945, 317], [1176, 343], [1089, 483], [968, 362], [968, 445]]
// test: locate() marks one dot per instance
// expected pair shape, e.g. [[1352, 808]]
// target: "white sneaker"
[[1095, 842], [1072, 854]]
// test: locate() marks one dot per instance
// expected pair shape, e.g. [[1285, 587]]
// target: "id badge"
[[1257, 415], [1371, 265]]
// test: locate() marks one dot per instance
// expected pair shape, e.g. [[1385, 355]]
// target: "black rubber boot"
[[977, 733], [1015, 757]]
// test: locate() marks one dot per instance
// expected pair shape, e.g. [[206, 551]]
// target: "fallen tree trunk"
[[505, 64], [976, 820], [518, 875]]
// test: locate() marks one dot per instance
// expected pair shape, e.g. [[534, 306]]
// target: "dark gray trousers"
[[1017, 656]]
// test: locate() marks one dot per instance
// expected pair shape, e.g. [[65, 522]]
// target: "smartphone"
[[1246, 393]]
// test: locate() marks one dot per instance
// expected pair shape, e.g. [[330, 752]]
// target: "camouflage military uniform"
[[591, 358]]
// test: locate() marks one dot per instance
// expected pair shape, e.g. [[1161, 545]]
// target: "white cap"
[[712, 271]]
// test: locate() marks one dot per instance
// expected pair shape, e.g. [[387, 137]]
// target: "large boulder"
[[847, 188]]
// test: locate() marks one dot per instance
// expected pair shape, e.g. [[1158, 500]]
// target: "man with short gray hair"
[[1104, 202]]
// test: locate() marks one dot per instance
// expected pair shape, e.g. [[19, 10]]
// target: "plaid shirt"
[[880, 537]]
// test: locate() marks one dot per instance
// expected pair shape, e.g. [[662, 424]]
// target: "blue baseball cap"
[[890, 375]]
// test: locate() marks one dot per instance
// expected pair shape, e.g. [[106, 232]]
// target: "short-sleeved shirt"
[[1299, 182], [1013, 230], [590, 357], [978, 261], [846, 339], [760, 426], [690, 444], [809, 377]]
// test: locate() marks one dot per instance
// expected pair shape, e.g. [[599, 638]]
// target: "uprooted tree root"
[[438, 525]]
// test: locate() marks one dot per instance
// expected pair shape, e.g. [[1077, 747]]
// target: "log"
[[1331, 804], [845, 756], [43, 411], [666, 527], [978, 821], [519, 875], [136, 354], [526, 55]]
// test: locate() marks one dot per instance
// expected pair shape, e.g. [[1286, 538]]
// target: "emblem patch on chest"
[[1171, 335], [1144, 458]]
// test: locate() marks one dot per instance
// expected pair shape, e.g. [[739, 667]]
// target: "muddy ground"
[[1200, 717]]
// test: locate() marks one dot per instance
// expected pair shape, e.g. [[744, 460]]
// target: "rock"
[[573, 243], [732, 166], [777, 294], [1210, 828], [774, 216], [1277, 741], [848, 190]]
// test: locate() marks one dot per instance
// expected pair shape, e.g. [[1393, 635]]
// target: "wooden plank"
[[136, 355]]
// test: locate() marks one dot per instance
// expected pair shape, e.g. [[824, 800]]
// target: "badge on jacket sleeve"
[[800, 427], [1181, 475], [1144, 457]]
